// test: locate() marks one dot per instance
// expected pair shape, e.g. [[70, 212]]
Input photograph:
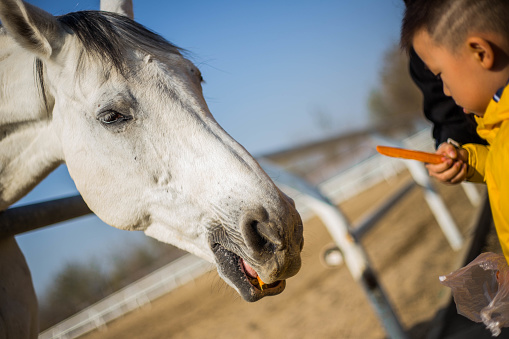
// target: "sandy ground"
[[407, 249]]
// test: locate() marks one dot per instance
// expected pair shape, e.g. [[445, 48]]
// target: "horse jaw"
[[197, 246]]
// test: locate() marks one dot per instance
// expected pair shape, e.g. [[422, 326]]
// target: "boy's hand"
[[454, 169]]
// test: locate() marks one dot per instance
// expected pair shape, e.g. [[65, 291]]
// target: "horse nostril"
[[259, 234], [259, 241]]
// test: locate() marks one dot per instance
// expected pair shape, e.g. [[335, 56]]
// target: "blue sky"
[[271, 68]]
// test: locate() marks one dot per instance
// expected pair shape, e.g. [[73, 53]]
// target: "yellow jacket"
[[490, 164]]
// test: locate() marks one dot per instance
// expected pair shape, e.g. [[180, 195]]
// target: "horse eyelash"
[[123, 117]]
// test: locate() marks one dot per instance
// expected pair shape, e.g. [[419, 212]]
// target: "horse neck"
[[21, 97], [28, 146]]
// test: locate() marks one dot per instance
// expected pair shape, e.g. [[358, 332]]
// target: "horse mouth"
[[243, 276]]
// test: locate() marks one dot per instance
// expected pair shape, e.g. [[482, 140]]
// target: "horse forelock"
[[108, 36]]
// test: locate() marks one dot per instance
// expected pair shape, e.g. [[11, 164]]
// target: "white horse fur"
[[125, 111]]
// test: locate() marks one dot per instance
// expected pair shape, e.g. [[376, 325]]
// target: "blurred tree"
[[397, 99], [140, 261], [79, 285]]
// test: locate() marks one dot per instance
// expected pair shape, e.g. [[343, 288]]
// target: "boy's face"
[[463, 78]]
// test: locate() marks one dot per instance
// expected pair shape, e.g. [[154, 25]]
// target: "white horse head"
[[124, 110]]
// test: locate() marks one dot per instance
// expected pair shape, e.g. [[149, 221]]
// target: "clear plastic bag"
[[481, 291]]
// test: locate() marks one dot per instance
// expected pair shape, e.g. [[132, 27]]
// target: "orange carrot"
[[430, 158], [260, 281]]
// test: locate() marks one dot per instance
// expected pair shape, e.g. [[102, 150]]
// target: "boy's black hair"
[[449, 21]]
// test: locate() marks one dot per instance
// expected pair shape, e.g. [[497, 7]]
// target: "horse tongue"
[[249, 270]]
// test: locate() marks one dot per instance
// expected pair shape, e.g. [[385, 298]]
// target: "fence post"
[[434, 200], [355, 256], [472, 193], [436, 204]]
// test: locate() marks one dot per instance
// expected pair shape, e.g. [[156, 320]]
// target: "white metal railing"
[[338, 189], [157, 283]]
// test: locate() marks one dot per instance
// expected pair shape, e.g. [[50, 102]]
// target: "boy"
[[466, 44]]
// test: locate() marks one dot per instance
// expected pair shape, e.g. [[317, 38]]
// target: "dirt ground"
[[407, 250]]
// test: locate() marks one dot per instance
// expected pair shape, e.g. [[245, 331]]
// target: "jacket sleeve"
[[499, 182], [448, 119], [477, 155]]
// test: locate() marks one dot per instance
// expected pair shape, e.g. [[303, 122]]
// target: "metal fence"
[[138, 294]]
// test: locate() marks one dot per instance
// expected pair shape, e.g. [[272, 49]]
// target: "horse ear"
[[124, 7], [33, 28]]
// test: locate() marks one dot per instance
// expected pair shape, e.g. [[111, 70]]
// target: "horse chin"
[[231, 267]]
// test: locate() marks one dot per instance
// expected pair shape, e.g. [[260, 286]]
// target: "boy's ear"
[[482, 51]]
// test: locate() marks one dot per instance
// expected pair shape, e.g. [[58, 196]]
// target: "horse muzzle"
[[268, 254]]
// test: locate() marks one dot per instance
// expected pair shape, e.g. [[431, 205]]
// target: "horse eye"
[[110, 117]]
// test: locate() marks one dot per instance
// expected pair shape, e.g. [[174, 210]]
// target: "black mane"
[[108, 36]]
